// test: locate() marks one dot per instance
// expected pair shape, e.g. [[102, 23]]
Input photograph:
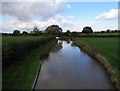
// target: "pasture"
[[108, 47]]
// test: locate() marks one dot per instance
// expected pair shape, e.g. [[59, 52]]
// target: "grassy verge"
[[21, 74], [15, 48], [104, 50]]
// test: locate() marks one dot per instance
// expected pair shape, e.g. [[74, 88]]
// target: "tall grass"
[[15, 48]]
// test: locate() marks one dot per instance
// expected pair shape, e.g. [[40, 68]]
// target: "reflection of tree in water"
[[44, 55], [57, 47], [68, 41]]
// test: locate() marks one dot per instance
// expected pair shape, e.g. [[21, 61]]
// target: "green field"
[[108, 48], [21, 74], [115, 34], [17, 39]]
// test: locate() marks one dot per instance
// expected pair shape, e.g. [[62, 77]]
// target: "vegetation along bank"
[[16, 48], [21, 73]]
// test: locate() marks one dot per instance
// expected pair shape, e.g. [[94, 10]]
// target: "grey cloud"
[[29, 10]]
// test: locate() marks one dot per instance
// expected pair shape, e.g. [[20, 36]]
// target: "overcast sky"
[[68, 15]]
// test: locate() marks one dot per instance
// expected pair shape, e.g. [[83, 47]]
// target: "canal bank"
[[95, 53]]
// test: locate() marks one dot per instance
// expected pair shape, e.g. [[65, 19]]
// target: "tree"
[[108, 30], [36, 31], [116, 31], [53, 29], [67, 33], [74, 34], [24, 33], [16, 32], [103, 31], [87, 30]]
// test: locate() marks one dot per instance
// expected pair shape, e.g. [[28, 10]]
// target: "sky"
[[73, 16]]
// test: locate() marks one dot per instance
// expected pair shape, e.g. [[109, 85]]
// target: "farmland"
[[108, 47]]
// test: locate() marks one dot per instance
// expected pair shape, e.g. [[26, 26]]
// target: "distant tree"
[[75, 34], [16, 32], [67, 33], [112, 31], [53, 29], [35, 29], [116, 31], [87, 30], [103, 31], [24, 33], [108, 30]]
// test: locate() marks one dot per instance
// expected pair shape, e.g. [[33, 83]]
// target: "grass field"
[[108, 48], [21, 74], [101, 34]]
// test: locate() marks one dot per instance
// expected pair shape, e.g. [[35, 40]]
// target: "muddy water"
[[70, 68]]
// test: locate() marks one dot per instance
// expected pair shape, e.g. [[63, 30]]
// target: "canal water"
[[67, 67]]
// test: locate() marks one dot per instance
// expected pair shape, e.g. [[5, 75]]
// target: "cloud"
[[26, 15], [112, 14], [64, 22], [26, 11], [68, 6]]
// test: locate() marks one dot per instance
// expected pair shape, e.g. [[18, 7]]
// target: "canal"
[[68, 67]]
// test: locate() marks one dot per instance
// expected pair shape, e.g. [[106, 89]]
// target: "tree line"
[[56, 30]]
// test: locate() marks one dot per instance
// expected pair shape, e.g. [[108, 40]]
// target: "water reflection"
[[69, 68], [68, 41], [57, 47]]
